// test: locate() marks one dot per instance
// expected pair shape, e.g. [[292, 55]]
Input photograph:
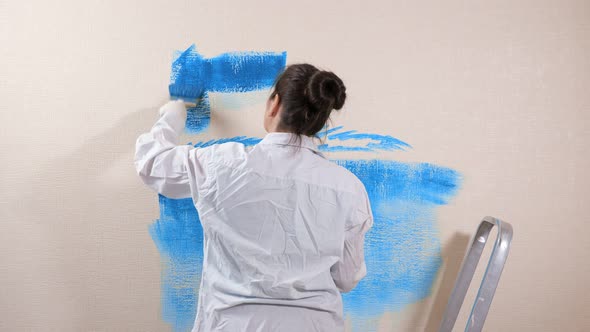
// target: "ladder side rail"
[[465, 276], [491, 278]]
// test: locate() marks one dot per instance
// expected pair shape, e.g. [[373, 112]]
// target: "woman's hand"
[[177, 105]]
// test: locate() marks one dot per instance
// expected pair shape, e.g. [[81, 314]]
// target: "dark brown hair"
[[308, 96]]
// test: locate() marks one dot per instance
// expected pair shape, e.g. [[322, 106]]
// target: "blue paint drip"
[[402, 250], [178, 235], [192, 74]]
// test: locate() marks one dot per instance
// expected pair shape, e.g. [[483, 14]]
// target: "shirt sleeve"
[[351, 268], [167, 168]]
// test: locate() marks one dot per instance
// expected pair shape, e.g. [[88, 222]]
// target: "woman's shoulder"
[[225, 151], [231, 148], [343, 178]]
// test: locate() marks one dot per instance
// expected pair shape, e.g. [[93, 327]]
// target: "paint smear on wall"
[[335, 141], [402, 250], [193, 76], [179, 238]]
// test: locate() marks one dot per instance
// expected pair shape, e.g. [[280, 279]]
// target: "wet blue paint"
[[198, 118], [377, 143], [178, 235], [247, 141], [192, 74], [402, 250]]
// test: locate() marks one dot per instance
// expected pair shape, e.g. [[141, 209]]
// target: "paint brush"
[[187, 103]]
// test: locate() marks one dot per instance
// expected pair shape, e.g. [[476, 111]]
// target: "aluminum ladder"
[[490, 280]]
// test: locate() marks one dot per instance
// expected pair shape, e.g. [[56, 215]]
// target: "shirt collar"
[[283, 138]]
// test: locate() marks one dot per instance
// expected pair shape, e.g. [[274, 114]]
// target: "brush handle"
[[187, 104]]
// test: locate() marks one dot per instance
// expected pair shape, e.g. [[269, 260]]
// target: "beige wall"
[[496, 90]]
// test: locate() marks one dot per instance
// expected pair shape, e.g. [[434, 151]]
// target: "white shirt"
[[283, 226]]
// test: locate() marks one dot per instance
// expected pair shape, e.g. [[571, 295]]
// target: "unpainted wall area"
[[491, 95]]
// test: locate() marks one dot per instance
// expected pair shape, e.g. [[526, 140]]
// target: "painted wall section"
[[402, 250]]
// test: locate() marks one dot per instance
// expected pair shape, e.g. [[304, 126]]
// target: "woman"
[[283, 226]]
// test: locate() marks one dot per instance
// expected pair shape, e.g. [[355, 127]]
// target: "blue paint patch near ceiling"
[[193, 76]]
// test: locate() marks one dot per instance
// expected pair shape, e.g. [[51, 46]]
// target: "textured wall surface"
[[455, 111]]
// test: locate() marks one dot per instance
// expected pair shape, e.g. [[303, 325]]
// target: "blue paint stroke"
[[198, 118], [247, 141], [378, 143], [402, 250], [178, 235], [381, 142], [193, 75]]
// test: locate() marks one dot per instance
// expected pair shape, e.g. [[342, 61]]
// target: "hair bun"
[[325, 91]]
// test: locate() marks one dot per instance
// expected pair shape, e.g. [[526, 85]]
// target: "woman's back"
[[283, 226], [274, 219]]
